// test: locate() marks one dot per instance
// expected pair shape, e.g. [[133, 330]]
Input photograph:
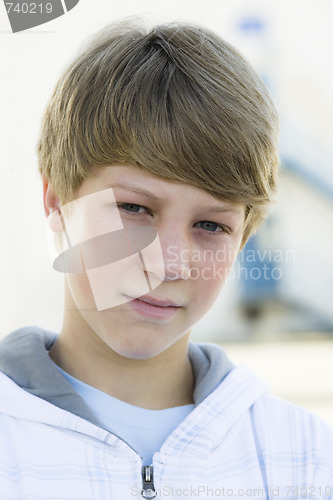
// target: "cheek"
[[80, 290], [215, 265], [209, 276], [210, 284]]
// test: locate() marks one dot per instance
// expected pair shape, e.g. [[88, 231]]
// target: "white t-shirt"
[[144, 430]]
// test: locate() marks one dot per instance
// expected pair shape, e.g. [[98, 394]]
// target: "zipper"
[[148, 489]]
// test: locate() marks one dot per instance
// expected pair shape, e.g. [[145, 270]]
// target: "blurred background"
[[276, 311]]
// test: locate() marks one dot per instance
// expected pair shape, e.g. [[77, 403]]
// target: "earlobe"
[[52, 208], [54, 221]]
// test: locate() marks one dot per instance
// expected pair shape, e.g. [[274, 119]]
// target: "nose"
[[176, 250]]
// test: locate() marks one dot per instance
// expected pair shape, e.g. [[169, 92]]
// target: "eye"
[[212, 227], [131, 207]]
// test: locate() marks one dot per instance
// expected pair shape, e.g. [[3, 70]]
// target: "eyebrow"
[[135, 189], [148, 194], [232, 210]]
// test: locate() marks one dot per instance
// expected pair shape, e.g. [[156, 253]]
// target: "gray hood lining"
[[24, 359]]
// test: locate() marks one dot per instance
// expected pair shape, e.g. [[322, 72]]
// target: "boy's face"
[[182, 241]]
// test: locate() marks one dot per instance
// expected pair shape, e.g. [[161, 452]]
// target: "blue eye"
[[130, 207], [208, 226], [212, 227]]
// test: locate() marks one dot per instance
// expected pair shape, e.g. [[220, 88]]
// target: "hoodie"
[[238, 442]]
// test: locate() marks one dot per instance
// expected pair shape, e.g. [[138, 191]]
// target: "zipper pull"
[[148, 489]]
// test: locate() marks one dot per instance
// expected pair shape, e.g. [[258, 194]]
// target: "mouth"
[[154, 308], [158, 302]]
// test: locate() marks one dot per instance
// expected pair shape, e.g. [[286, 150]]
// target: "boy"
[[158, 154]]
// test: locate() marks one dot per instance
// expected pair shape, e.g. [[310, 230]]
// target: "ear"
[[52, 208], [51, 201]]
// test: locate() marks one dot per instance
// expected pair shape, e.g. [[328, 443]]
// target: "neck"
[[163, 381]]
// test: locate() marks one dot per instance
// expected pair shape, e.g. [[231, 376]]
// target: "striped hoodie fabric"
[[239, 442]]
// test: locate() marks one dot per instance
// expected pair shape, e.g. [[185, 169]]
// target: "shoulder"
[[280, 413], [287, 440], [21, 345], [286, 431]]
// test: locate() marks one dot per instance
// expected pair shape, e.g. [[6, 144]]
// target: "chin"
[[138, 354], [140, 349]]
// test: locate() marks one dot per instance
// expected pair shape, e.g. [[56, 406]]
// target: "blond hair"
[[176, 101]]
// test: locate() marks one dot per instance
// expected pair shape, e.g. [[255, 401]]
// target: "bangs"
[[177, 102]]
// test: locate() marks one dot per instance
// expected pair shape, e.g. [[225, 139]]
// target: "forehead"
[[129, 179]]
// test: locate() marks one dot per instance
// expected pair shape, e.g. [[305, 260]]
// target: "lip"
[[157, 309], [157, 302]]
